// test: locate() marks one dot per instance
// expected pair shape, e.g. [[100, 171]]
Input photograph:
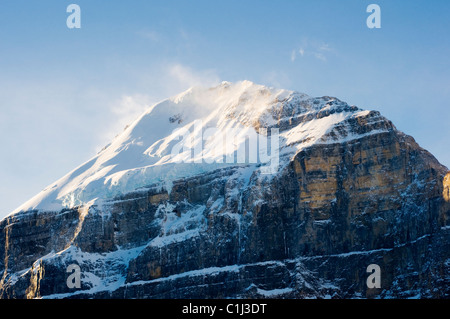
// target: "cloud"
[[320, 56], [324, 47], [276, 79], [151, 35], [293, 55], [313, 48], [130, 107], [165, 81], [184, 77]]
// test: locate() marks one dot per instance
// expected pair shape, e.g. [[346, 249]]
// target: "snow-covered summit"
[[197, 131]]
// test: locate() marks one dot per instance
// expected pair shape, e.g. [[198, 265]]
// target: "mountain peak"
[[214, 124], [191, 191]]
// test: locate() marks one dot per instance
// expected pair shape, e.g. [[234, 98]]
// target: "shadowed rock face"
[[309, 231]]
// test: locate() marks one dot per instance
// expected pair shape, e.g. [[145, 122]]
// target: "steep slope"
[[204, 127], [216, 214]]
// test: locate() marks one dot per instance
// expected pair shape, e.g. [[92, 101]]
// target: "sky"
[[67, 92]]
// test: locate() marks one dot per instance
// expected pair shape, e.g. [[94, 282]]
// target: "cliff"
[[345, 195]]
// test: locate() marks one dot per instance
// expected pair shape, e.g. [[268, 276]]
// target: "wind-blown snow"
[[197, 131]]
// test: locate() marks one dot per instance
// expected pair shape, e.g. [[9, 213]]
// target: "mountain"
[[239, 191], [210, 123]]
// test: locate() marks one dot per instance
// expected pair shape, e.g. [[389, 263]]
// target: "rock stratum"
[[349, 190]]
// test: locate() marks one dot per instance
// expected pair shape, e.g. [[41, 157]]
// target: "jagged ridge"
[[351, 190]]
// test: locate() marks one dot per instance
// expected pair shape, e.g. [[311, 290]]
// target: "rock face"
[[363, 194]]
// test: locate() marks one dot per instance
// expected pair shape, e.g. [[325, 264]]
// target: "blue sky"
[[65, 93]]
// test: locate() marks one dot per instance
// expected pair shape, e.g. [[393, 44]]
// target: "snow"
[[102, 272], [306, 134], [109, 278], [274, 292], [99, 285], [194, 132], [322, 222], [178, 228]]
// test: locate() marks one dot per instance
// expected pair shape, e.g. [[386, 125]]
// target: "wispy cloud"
[[168, 80], [293, 55], [276, 78], [184, 77], [312, 48], [129, 107], [151, 35], [319, 56]]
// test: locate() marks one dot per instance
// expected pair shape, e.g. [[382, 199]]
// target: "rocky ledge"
[[309, 231]]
